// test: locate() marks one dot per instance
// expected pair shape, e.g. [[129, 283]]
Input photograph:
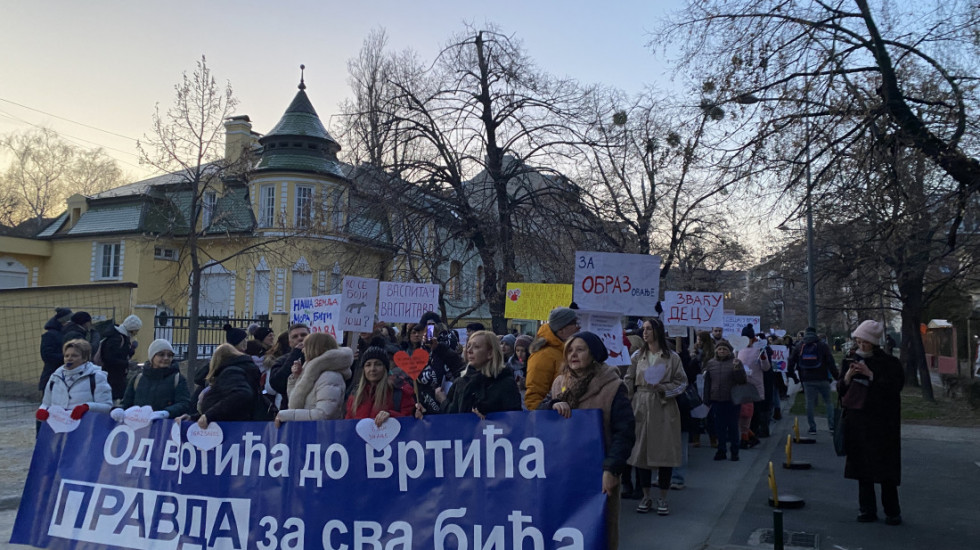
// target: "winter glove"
[[78, 411], [159, 415], [41, 415], [118, 415]]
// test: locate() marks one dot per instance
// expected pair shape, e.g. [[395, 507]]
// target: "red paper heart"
[[412, 364]]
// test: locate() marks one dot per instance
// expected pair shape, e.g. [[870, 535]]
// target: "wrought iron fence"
[[210, 331]]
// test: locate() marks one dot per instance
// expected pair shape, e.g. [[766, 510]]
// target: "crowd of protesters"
[[649, 409]]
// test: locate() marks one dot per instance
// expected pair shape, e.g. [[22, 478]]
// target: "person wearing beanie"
[[159, 385], [235, 337], [547, 354], [586, 382], [658, 418], [379, 394], [80, 326], [51, 344], [719, 378], [755, 415], [507, 342], [811, 362], [316, 387], [870, 387], [115, 352], [264, 336]]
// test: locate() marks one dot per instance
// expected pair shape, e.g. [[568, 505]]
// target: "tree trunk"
[[911, 292]]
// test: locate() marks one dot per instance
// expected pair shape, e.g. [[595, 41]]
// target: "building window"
[[304, 205], [208, 204], [109, 258], [267, 205], [337, 214], [336, 280], [162, 253]]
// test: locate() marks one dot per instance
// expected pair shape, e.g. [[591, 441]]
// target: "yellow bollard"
[[796, 428], [772, 486], [789, 450]]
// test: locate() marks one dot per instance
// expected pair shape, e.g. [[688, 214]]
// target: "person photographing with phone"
[[870, 387], [444, 366]]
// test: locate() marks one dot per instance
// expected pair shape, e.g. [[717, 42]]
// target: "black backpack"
[[810, 356]]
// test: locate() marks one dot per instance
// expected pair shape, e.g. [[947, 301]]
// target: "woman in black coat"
[[871, 393], [233, 389], [52, 353]]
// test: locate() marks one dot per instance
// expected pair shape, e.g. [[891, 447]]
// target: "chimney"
[[77, 205], [238, 137]]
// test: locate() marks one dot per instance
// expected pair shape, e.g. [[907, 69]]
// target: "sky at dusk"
[[106, 64]]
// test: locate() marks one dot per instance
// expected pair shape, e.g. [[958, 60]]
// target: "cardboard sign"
[[535, 301], [609, 327], [780, 358], [734, 324], [320, 313], [693, 309], [626, 283], [406, 302], [358, 298], [676, 331]]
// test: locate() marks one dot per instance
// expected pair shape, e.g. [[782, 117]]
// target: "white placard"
[[625, 283], [358, 298], [609, 328], [406, 302], [734, 324], [320, 313], [780, 358], [676, 331], [693, 309]]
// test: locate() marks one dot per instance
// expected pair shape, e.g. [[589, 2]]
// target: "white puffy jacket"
[[59, 392]]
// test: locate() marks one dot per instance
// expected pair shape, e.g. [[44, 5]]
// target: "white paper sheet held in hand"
[[655, 374]]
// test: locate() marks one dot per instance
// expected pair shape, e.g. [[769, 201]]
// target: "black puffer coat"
[[162, 389], [116, 350], [873, 434], [51, 351], [444, 364], [234, 394], [487, 395]]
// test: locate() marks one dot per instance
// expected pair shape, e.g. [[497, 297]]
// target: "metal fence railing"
[[210, 331]]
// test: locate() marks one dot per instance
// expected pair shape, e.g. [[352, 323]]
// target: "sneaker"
[[813, 431], [677, 485], [645, 506], [720, 455], [662, 509]]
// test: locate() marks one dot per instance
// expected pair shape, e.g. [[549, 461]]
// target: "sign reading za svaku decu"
[[628, 284]]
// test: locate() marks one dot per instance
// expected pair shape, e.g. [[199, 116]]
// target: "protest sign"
[[675, 331], [626, 283], [693, 309], [734, 324], [609, 327], [513, 480], [358, 298], [535, 301], [780, 358], [406, 302], [320, 313]]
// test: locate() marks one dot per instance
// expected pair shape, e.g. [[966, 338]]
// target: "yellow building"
[[291, 226]]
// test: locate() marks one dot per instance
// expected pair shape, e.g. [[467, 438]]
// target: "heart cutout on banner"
[[205, 439], [60, 420], [378, 438], [175, 432], [655, 374], [412, 364], [138, 417]]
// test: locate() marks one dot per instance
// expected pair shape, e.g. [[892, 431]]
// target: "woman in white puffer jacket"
[[78, 385], [316, 388]]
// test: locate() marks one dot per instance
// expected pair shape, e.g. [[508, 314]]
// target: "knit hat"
[[596, 348], [561, 317], [234, 336], [508, 339], [132, 324], [523, 341], [157, 346], [63, 314], [748, 331], [81, 318], [810, 332], [375, 352], [724, 344], [261, 332], [869, 331]]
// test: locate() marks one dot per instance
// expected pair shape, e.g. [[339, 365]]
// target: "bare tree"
[[43, 170]]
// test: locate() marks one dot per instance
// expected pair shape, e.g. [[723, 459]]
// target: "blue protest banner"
[[515, 480]]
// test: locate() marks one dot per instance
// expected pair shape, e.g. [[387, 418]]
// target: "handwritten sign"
[[406, 302], [357, 301], [320, 313], [693, 309], [610, 328], [626, 283], [780, 358], [733, 324], [535, 300]]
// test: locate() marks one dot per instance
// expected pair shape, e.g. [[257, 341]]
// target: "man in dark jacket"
[[51, 342], [282, 368], [80, 327], [116, 349], [812, 363]]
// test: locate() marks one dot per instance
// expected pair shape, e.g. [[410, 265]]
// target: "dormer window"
[[209, 202]]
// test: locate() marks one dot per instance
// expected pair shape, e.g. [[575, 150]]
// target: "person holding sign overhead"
[[586, 382], [654, 380]]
